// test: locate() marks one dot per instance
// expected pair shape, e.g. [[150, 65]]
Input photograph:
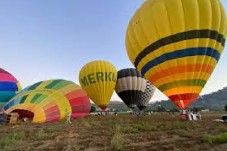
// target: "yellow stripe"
[[182, 90], [43, 84], [69, 88], [29, 97], [19, 87]]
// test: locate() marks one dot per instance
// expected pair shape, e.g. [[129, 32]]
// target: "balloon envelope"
[[146, 96], [9, 86], [130, 86], [176, 45], [98, 79], [50, 100]]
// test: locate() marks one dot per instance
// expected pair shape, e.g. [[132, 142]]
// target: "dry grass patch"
[[117, 141], [9, 141]]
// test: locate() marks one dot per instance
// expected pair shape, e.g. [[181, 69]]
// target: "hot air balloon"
[[98, 79], [176, 45], [9, 86], [146, 96], [48, 101], [130, 85]]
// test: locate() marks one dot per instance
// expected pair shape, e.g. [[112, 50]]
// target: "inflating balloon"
[[130, 85], [98, 79], [176, 45], [146, 96], [51, 100], [9, 86]]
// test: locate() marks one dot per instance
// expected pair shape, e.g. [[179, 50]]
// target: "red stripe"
[[79, 100], [186, 98], [54, 116], [3, 71], [75, 94], [51, 109], [80, 105], [7, 77], [52, 119], [78, 115]]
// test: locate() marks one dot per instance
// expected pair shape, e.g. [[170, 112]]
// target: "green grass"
[[145, 126], [56, 127], [117, 141], [42, 135], [222, 128], [88, 122], [139, 127], [215, 139], [92, 122], [177, 126], [183, 133], [129, 130], [11, 140]]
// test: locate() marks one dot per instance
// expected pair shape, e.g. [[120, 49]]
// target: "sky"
[[42, 40]]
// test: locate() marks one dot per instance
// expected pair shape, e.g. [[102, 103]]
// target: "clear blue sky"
[[46, 39]]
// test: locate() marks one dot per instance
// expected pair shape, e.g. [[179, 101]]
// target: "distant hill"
[[214, 101]]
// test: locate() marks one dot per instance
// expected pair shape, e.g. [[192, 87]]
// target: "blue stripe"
[[8, 105], [8, 86], [17, 101], [180, 54], [12, 103]]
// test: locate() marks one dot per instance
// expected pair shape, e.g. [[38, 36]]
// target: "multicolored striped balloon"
[[50, 100], [176, 45], [9, 86]]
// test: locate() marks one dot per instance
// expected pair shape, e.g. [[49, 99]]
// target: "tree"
[[226, 107], [161, 108]]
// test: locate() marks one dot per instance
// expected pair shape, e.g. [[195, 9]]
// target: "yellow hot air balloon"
[[98, 79], [176, 45]]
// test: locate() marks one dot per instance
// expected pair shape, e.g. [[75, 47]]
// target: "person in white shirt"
[[68, 117]]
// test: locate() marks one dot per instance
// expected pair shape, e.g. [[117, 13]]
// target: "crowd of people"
[[190, 115]]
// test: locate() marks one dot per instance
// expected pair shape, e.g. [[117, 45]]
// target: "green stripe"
[[34, 86], [23, 99], [61, 85], [182, 83], [40, 99], [52, 84], [35, 98]]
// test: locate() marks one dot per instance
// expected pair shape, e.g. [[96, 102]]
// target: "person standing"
[[199, 117], [68, 117]]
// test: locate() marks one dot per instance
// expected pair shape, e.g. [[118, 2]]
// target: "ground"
[[159, 132]]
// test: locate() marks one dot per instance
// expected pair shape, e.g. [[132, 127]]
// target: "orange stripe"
[[182, 90], [182, 69]]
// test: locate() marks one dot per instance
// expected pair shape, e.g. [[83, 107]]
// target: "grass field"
[[123, 132]]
